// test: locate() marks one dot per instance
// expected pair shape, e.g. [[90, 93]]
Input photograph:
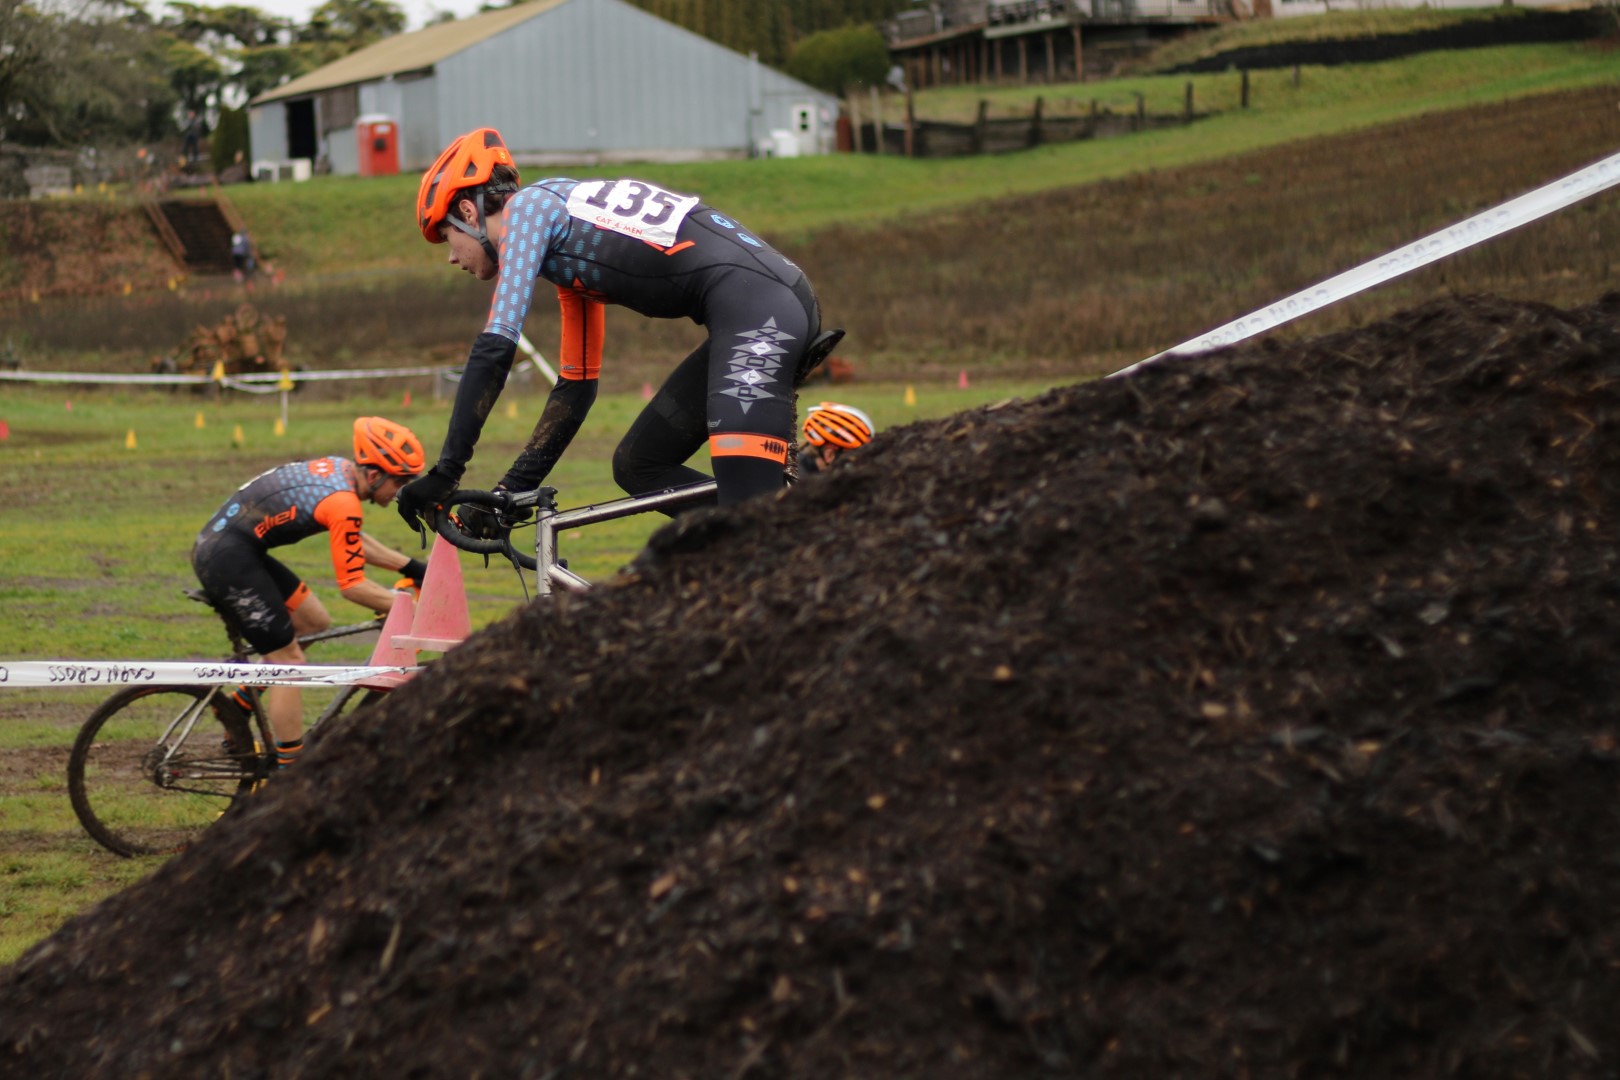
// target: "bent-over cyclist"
[[269, 602], [657, 252]]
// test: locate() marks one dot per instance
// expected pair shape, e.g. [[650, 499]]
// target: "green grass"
[[1332, 26], [96, 559], [355, 226]]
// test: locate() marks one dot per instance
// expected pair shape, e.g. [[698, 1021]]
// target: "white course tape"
[[1465, 234], [185, 673], [200, 380]]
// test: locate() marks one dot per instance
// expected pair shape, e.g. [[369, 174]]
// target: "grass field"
[[95, 537], [341, 224]]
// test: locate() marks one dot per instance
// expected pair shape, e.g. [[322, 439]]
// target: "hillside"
[[1252, 717], [1071, 282]]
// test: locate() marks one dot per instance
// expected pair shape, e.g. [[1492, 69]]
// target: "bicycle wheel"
[[154, 766]]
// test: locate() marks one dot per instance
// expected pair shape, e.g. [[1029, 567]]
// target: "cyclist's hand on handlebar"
[[488, 523], [423, 499]]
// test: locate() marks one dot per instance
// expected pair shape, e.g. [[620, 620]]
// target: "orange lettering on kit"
[[273, 520]]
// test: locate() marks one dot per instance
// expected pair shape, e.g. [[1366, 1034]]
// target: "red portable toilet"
[[379, 145]]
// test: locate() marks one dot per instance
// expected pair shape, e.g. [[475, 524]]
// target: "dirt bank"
[[1252, 717]]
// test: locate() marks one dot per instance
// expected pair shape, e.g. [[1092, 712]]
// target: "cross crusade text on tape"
[[31, 673]]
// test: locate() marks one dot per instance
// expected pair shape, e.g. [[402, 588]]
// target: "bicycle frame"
[[549, 523]]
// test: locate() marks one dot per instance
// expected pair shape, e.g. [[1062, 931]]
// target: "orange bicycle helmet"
[[843, 426], [385, 445], [465, 165]]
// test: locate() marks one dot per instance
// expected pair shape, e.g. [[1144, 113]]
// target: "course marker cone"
[[68, 405], [962, 380], [5, 431], [405, 402], [911, 395], [281, 427], [218, 374], [646, 391], [202, 423], [511, 410], [441, 620], [129, 440], [237, 438], [389, 652]]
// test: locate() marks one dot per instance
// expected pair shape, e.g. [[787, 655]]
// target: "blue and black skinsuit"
[[666, 256]]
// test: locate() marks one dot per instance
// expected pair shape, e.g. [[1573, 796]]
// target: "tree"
[[195, 76], [230, 138], [354, 23], [839, 60], [93, 74]]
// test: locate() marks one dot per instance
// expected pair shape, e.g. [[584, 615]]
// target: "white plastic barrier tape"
[[32, 673], [1465, 234], [190, 380], [240, 382]]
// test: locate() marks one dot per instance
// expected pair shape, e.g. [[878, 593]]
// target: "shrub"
[[834, 60]]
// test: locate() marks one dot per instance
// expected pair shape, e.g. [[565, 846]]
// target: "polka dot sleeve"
[[536, 218]]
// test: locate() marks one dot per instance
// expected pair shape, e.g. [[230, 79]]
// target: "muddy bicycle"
[[155, 765], [515, 511]]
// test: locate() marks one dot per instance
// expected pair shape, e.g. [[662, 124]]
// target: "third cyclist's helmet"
[[843, 426], [388, 446], [465, 164]]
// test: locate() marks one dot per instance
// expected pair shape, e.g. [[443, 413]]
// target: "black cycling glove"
[[422, 500]]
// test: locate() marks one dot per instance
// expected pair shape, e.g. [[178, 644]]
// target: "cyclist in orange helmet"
[[831, 430], [271, 604], [658, 252]]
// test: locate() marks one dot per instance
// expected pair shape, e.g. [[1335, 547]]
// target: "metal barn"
[[565, 81]]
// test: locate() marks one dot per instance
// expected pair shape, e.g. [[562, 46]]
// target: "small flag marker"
[[129, 440], [218, 374], [911, 395]]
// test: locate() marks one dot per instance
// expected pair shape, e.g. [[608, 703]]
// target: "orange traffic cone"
[[389, 652], [441, 621]]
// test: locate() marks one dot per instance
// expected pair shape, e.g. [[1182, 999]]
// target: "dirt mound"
[[1250, 717]]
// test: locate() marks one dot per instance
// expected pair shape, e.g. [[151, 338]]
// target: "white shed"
[[565, 82]]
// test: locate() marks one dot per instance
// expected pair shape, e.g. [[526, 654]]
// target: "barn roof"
[[408, 52]]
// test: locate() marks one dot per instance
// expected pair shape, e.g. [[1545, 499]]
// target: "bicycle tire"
[[142, 782]]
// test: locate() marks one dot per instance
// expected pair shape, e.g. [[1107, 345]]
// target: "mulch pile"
[[1252, 717]]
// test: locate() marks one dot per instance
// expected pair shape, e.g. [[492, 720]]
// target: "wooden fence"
[[997, 135]]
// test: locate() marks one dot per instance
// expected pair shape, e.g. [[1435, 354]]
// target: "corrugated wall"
[[601, 77]]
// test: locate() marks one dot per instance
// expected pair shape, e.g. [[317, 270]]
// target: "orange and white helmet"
[[465, 165], [843, 426], [383, 444]]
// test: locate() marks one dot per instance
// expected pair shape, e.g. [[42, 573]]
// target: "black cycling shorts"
[[253, 588]]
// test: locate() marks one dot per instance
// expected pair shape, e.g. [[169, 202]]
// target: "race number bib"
[[631, 207]]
